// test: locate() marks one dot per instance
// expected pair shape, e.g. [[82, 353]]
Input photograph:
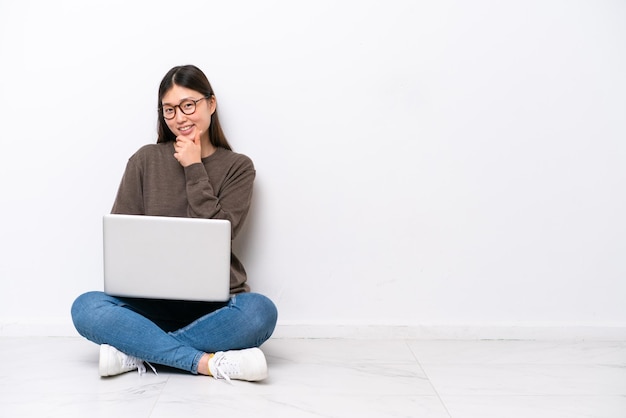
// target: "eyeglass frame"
[[195, 104]]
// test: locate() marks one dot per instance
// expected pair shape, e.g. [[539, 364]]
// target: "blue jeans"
[[174, 333]]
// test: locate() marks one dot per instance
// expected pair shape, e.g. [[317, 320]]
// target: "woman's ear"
[[212, 104]]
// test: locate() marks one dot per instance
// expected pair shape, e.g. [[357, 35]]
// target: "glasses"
[[187, 106]]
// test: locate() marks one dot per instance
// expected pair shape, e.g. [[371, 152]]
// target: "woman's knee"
[[261, 312], [261, 305], [84, 302], [85, 306]]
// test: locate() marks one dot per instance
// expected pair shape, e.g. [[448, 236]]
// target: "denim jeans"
[[174, 333]]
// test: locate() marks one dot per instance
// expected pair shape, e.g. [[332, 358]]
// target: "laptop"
[[160, 257]]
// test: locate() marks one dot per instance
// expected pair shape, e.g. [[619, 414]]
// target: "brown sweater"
[[155, 183]]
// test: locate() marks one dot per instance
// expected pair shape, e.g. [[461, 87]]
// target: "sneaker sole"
[[103, 366], [259, 358]]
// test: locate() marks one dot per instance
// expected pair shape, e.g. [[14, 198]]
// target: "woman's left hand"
[[188, 151]]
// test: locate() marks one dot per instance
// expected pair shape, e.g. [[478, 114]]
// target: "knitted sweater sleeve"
[[227, 198], [129, 199]]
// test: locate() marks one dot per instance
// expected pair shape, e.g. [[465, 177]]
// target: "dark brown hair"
[[191, 77]]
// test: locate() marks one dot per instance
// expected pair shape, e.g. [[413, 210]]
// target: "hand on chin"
[[187, 147]]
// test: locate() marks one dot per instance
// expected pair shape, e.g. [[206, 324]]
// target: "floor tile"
[[58, 377], [537, 380], [536, 406], [333, 351], [324, 368], [302, 406], [519, 352]]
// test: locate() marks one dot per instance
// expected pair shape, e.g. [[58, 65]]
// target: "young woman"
[[190, 172]]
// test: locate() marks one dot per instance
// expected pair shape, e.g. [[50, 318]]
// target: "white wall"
[[420, 163]]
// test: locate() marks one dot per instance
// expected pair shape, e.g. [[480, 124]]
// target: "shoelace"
[[133, 362], [224, 368]]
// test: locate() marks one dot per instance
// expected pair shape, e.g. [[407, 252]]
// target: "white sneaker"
[[246, 364], [114, 362]]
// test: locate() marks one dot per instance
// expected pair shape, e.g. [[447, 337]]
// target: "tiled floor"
[[57, 377]]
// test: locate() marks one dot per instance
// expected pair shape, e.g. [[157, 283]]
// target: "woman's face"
[[188, 125]]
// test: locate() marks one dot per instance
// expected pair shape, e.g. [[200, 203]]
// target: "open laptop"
[[162, 257]]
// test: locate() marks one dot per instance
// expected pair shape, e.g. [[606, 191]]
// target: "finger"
[[196, 139]]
